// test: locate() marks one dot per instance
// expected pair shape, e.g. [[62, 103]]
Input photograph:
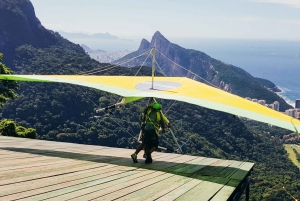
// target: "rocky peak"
[[158, 37], [159, 41], [144, 46]]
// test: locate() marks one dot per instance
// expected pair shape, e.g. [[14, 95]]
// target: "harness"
[[145, 118]]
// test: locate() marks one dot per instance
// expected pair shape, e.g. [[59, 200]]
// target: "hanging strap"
[[295, 127]]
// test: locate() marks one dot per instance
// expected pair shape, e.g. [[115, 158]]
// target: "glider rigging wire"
[[295, 199], [143, 62], [187, 70], [113, 65]]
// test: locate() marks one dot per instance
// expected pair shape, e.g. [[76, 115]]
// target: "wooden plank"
[[83, 159], [38, 170], [55, 172], [184, 166], [180, 190], [10, 174], [5, 152], [157, 190], [202, 164], [206, 189], [214, 168], [105, 188], [20, 162], [18, 157], [154, 165], [227, 172], [160, 165], [5, 169], [50, 191], [78, 187], [136, 187], [223, 194], [242, 171], [44, 182]]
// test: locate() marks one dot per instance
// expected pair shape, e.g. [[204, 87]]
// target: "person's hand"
[[169, 126]]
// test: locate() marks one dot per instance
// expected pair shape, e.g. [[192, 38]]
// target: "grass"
[[292, 155]]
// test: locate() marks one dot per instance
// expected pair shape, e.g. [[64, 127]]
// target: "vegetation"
[[6, 87], [66, 113], [8, 127], [273, 169], [297, 155], [265, 83]]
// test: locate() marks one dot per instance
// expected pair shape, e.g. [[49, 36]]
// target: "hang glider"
[[171, 88]]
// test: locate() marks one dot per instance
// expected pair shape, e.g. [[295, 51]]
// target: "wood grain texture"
[[46, 170]]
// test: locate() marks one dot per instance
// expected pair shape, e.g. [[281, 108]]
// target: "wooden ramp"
[[45, 170]]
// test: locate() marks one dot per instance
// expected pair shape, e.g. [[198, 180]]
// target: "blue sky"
[[234, 19]]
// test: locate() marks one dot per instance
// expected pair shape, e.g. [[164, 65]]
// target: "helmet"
[[156, 106]]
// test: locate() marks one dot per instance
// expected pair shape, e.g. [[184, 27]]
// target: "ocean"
[[277, 61]]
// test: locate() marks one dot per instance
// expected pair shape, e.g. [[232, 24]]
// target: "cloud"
[[293, 3]]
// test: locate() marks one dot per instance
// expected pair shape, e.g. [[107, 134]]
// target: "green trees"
[[9, 128], [6, 87]]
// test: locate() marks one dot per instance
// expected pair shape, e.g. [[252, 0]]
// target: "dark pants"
[[150, 139]]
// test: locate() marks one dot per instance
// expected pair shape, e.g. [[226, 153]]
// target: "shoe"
[[134, 158], [148, 159]]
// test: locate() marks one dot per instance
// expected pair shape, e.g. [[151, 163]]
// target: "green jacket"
[[153, 119]]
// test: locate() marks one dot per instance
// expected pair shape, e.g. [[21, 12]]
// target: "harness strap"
[[155, 124]]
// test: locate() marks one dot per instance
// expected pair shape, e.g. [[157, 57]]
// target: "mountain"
[[19, 26], [99, 36], [103, 41], [228, 77]]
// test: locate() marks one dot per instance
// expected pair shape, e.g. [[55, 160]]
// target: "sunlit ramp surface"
[[45, 170]]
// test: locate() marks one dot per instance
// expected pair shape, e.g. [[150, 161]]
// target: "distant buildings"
[[262, 102], [297, 104], [274, 106], [294, 112]]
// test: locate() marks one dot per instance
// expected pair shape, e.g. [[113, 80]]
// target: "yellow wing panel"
[[176, 88]]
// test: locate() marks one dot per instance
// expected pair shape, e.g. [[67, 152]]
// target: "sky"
[[230, 19]]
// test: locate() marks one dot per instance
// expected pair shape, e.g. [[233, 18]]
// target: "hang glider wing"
[[172, 88]]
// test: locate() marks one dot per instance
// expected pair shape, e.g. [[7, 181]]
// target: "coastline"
[[276, 89], [287, 100]]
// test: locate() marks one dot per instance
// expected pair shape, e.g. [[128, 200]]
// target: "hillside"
[[20, 26], [64, 112], [228, 77]]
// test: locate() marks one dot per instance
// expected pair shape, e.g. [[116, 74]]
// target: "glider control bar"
[[110, 107], [179, 147]]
